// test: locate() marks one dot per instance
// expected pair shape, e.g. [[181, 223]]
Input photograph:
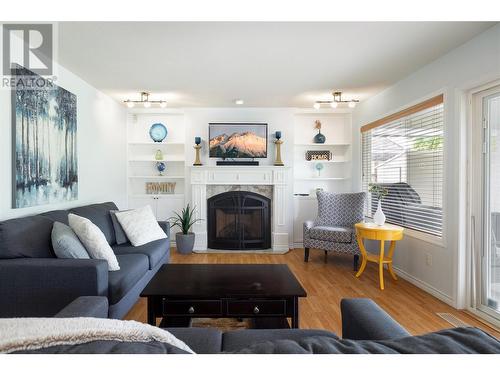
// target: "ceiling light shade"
[[145, 101], [352, 104], [317, 105], [239, 101], [334, 104]]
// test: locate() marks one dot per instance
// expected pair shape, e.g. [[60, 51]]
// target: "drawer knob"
[[191, 310], [256, 310]]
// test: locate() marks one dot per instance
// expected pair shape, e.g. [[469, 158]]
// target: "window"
[[404, 154]]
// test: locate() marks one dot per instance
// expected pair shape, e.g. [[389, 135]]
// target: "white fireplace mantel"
[[241, 175]]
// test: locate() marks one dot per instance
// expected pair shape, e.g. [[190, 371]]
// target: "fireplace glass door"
[[239, 220]]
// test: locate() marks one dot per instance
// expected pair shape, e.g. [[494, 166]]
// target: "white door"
[[485, 195]]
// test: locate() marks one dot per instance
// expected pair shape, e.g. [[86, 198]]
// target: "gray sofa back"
[[30, 237]]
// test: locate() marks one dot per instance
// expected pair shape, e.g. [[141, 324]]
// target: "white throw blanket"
[[38, 333]]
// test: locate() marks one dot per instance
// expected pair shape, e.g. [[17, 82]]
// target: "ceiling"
[[210, 64]]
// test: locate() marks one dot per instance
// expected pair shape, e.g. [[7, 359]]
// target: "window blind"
[[405, 155]]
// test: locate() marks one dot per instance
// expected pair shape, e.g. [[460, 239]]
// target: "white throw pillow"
[[94, 240], [140, 225]]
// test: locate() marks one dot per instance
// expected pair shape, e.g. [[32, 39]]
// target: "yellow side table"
[[382, 233]]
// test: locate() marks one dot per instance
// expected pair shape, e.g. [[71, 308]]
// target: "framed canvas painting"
[[44, 142]]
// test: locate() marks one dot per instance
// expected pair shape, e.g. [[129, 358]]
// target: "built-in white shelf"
[[168, 158], [305, 197], [336, 127], [322, 144], [321, 178], [326, 161], [161, 196], [173, 177], [156, 143], [141, 160]]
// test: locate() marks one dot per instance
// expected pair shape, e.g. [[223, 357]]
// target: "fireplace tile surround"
[[268, 181]]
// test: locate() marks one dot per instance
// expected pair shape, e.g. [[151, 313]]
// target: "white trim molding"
[[424, 286], [242, 175]]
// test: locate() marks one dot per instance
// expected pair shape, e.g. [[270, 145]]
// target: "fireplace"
[[239, 220]]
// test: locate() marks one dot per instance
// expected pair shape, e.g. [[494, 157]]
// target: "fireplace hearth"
[[239, 220]]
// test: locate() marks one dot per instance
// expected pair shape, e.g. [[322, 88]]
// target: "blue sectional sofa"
[[33, 282], [366, 328]]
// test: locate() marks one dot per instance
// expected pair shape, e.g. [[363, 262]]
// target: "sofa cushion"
[[132, 268], [94, 241], [100, 216], [26, 237], [121, 236], [331, 234], [140, 225], [66, 243], [241, 339], [200, 340], [155, 250], [451, 341]]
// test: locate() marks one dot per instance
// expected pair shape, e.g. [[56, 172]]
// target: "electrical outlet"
[[428, 259]]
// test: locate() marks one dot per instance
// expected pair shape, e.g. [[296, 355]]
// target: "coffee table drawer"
[[256, 307], [207, 307]]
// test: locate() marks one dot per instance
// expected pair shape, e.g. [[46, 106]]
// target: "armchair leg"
[[326, 256], [356, 260], [306, 254]]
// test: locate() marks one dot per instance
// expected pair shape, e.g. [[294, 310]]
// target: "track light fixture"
[[337, 98], [145, 101]]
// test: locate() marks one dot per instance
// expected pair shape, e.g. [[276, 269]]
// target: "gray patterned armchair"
[[333, 229]]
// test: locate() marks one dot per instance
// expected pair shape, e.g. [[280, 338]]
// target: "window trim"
[[439, 99], [419, 106]]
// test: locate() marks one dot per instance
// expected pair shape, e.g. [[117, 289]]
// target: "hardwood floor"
[[326, 284]]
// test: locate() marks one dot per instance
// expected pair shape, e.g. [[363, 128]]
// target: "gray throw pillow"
[[121, 236], [66, 243]]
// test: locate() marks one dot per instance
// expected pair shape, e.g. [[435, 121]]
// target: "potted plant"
[[379, 192], [184, 239]]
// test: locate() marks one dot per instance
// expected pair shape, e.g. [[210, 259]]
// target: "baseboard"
[[215, 251], [425, 286], [298, 245]]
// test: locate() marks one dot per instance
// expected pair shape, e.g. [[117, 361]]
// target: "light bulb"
[[130, 104], [147, 104], [163, 104], [316, 105], [239, 101], [334, 104], [352, 104]]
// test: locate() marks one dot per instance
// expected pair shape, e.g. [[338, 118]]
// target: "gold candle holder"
[[197, 161], [278, 161]]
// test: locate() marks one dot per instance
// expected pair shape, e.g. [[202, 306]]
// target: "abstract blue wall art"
[[44, 144]]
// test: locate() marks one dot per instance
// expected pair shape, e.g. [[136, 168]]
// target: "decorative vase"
[[319, 167], [161, 166], [379, 217], [159, 155], [184, 242], [319, 138]]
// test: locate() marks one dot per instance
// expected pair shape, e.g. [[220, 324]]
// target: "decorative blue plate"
[[158, 132]]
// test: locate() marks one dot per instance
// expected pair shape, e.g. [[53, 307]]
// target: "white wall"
[[101, 125], [470, 65]]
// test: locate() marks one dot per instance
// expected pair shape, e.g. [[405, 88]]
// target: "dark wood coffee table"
[[184, 291]]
